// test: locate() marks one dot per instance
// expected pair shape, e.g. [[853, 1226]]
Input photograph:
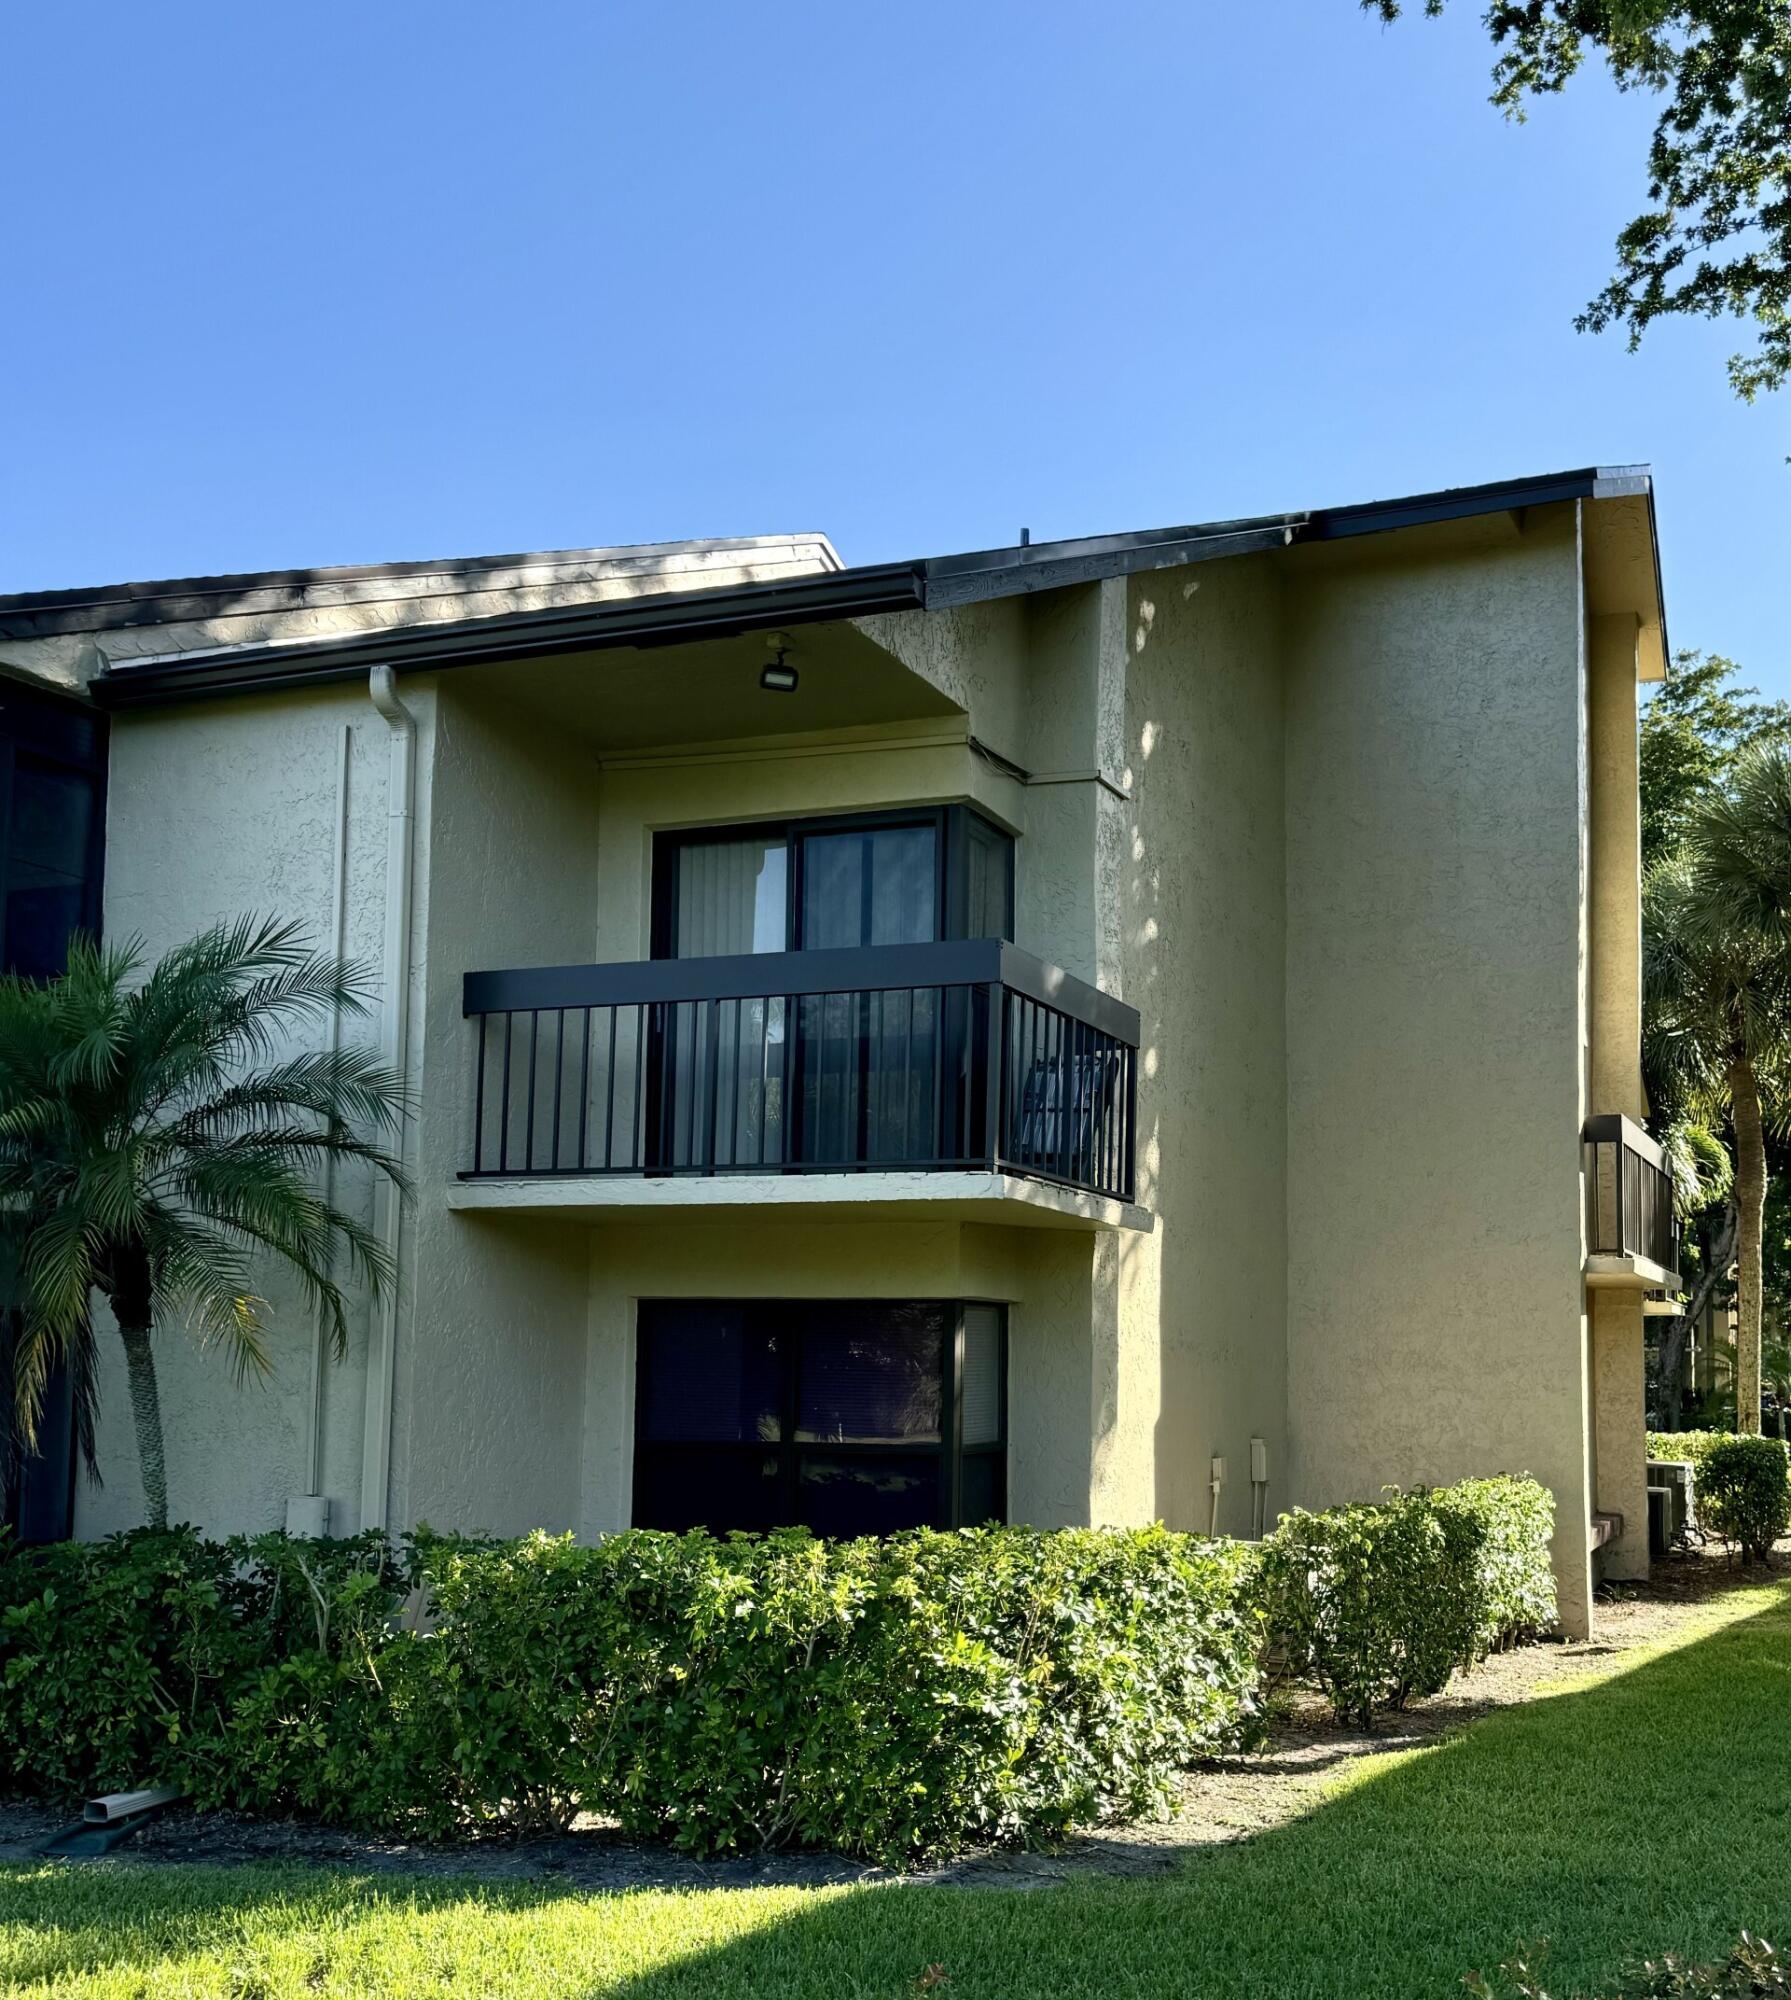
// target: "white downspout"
[[376, 1449]]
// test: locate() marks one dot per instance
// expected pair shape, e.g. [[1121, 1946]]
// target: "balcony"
[[964, 1071], [1632, 1234]]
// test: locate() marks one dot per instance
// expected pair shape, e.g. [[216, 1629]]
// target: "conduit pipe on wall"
[[339, 947], [308, 1513], [376, 1450]]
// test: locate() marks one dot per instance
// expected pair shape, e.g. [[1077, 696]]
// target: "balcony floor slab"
[[1635, 1274], [979, 1197]]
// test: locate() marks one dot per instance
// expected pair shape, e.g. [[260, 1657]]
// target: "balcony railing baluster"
[[1629, 1194], [949, 1056]]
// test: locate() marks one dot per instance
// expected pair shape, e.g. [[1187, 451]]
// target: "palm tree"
[[157, 1135], [1717, 983], [1703, 1179]]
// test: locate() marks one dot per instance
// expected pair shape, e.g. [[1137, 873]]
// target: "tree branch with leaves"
[[1715, 237]]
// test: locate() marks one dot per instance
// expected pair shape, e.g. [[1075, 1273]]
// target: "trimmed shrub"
[[1743, 1493], [130, 1656], [1695, 1448], [1691, 1447], [1380, 1604], [900, 1699], [1514, 1570]]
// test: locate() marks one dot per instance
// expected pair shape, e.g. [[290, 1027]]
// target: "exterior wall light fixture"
[[779, 677]]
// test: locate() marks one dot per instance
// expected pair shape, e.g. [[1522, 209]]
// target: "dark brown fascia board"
[[677, 618], [661, 619]]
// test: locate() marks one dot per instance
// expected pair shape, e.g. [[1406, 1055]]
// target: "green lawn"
[[1648, 1811]]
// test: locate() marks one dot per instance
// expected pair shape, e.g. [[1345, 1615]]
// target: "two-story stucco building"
[[1094, 1031]]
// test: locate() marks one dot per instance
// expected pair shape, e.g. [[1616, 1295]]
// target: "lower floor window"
[[849, 1417]]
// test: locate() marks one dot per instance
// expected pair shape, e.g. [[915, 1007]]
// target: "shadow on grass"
[[1646, 1812]]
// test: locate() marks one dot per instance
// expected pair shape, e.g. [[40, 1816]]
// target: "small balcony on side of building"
[[1632, 1233], [961, 1071]]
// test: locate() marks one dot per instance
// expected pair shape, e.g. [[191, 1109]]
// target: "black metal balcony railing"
[[937, 1056], [1629, 1194]]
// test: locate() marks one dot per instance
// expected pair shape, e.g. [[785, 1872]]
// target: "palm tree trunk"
[[1750, 1205], [146, 1412]]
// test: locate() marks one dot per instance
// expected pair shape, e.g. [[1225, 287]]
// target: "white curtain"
[[730, 897]]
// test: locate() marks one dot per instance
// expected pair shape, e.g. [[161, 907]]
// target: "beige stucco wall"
[[1614, 901], [973, 654], [1321, 821], [1614, 1025], [1057, 1351], [216, 812], [1205, 950], [545, 857], [489, 1366], [1436, 1324], [1619, 1438], [839, 772]]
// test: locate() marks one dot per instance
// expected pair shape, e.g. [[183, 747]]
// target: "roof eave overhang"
[[676, 618], [668, 619]]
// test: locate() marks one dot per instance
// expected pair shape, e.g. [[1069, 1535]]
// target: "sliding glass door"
[[846, 1080], [865, 1062], [728, 895], [845, 1416]]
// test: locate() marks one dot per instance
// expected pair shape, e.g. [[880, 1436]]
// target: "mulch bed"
[[1229, 1799]]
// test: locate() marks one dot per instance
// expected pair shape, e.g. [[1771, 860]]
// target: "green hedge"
[[1741, 1485], [1742, 1490], [1691, 1446], [1380, 1604], [900, 1699]]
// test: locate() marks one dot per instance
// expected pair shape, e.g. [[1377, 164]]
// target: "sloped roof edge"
[[676, 617]]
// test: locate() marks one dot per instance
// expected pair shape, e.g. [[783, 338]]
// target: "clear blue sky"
[[332, 283]]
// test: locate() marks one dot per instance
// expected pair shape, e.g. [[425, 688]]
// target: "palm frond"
[[160, 1133], [346, 1086]]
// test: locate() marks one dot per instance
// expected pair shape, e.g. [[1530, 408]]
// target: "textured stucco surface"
[[1204, 900], [1436, 1323], [832, 773], [1614, 1023], [1043, 1276], [1323, 821], [975, 655], [1620, 1445], [1614, 916], [490, 1360], [217, 812]]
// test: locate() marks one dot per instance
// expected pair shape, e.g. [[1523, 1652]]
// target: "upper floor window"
[[828, 884], [52, 787]]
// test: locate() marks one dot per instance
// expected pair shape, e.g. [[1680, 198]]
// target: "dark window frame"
[[952, 845], [951, 859], [37, 1496], [790, 1450], [67, 736]]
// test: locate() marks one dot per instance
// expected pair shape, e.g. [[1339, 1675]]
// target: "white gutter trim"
[[376, 1450]]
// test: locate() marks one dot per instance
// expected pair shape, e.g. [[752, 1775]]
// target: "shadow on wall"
[[1205, 943]]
